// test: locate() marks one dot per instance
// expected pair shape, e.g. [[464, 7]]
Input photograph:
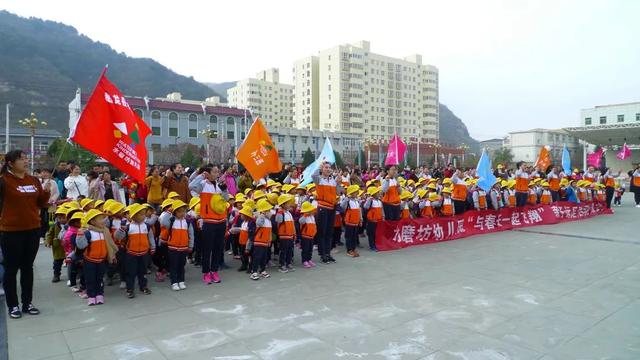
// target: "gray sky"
[[504, 65]]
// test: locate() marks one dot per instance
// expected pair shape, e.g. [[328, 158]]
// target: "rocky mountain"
[[42, 63], [454, 131]]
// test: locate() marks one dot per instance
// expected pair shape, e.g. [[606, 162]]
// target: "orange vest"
[[164, 232], [582, 195], [96, 252], [392, 196], [308, 229], [263, 234], [545, 198], [427, 210], [510, 198], [206, 212], [243, 237], [286, 229], [447, 207], [374, 214], [588, 178], [522, 183], [532, 199], [326, 190], [404, 212], [353, 214], [179, 237], [482, 200], [636, 181], [459, 192], [601, 196], [138, 239], [611, 182], [554, 183]]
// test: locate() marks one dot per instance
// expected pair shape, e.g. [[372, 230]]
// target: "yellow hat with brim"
[[196, 209], [446, 190], [287, 187], [247, 190], [272, 198], [352, 189], [247, 211], [433, 197], [360, 192], [177, 204], [446, 181], [373, 190], [504, 183], [193, 202], [270, 183], [250, 203], [239, 198], [77, 216], [166, 203], [218, 204], [84, 202], [109, 202], [406, 195], [284, 198], [172, 195], [98, 203], [421, 181], [410, 182], [432, 186], [544, 183], [500, 166], [62, 211], [71, 205], [421, 193], [114, 208], [258, 194], [301, 187], [310, 186], [263, 205], [307, 207], [90, 215], [135, 209]]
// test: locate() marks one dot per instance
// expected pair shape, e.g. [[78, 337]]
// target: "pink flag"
[[624, 153], [595, 158], [395, 151]]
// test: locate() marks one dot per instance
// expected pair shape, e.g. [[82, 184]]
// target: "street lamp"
[[32, 123], [436, 146], [464, 147]]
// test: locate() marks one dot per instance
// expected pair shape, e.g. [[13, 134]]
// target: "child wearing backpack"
[[161, 256], [308, 231], [52, 240], [179, 243], [138, 242], [73, 257], [262, 241], [352, 219], [286, 232]]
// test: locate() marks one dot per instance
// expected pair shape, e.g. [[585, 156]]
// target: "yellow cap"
[[239, 198], [167, 203], [91, 214], [193, 202], [178, 204], [284, 198], [196, 209], [352, 188], [406, 195], [98, 203], [432, 186], [421, 193], [272, 198], [263, 205], [446, 190], [114, 208], [544, 183], [500, 166], [258, 194], [287, 187], [62, 211], [247, 190], [410, 182], [373, 190], [84, 202], [271, 183], [433, 197], [135, 208], [171, 195], [446, 181], [310, 186], [108, 203], [247, 210], [307, 207], [250, 203], [77, 216]]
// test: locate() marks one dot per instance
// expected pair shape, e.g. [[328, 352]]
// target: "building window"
[[587, 121], [281, 154], [230, 135], [155, 130], [156, 147], [155, 115], [213, 120], [173, 124], [173, 131], [603, 120], [637, 116], [193, 125], [139, 113], [173, 116], [620, 118]]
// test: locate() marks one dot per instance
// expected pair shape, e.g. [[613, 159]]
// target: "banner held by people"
[[257, 153], [326, 155], [395, 151], [109, 128]]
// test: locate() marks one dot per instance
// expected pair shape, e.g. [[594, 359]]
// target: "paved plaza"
[[565, 291]]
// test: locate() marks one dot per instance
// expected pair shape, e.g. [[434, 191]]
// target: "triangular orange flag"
[[544, 159], [257, 153]]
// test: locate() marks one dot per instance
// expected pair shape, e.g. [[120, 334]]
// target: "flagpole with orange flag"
[[257, 153], [544, 159]]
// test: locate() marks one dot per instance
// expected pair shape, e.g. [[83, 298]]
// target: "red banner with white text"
[[392, 235]]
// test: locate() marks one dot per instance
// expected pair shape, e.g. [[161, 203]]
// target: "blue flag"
[[486, 179], [566, 160], [326, 155]]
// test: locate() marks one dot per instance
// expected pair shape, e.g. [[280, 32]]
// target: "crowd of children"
[[99, 241]]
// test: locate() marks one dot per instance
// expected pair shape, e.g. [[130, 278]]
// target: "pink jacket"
[[66, 241]]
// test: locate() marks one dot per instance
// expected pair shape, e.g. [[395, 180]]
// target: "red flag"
[[544, 159], [109, 128], [257, 153], [395, 151], [624, 153]]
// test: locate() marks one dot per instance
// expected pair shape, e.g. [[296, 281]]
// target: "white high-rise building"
[[266, 97], [347, 88]]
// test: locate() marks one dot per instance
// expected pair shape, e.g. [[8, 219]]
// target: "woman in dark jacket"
[[21, 198]]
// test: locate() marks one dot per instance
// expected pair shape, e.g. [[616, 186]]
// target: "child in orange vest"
[[337, 225], [446, 206], [98, 250], [161, 256], [308, 232], [545, 196], [262, 241], [138, 242], [405, 204], [350, 205], [246, 233], [286, 231], [179, 242], [116, 220], [373, 206]]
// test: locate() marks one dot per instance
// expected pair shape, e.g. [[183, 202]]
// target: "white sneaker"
[[68, 282], [175, 287], [1, 291], [638, 206], [182, 285], [123, 285]]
